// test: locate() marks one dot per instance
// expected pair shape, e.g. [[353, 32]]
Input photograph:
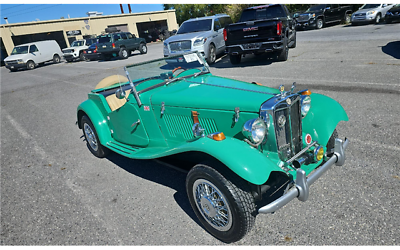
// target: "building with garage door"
[[148, 25]]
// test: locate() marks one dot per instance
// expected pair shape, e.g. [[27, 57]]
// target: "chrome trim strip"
[[301, 188]]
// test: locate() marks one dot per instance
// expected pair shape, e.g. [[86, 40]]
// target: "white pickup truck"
[[75, 52]]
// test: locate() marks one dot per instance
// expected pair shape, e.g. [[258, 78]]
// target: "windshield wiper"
[[201, 73]]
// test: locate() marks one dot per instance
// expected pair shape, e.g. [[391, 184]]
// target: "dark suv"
[[120, 44]]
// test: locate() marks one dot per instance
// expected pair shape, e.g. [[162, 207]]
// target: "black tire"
[[82, 56], [56, 59], [92, 139], [212, 54], [377, 18], [235, 59], [294, 41], [320, 23], [30, 65], [347, 18], [123, 53], [284, 53], [143, 48], [234, 213]]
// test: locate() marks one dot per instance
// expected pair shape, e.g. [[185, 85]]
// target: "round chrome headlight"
[[255, 130], [305, 105]]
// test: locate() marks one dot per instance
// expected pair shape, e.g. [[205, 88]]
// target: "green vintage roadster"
[[246, 143]]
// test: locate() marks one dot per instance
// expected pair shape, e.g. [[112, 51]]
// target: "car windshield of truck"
[[195, 26], [318, 7], [76, 43], [152, 74], [20, 50], [105, 39], [370, 6], [262, 13]]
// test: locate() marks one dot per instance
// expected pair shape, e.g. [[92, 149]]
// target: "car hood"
[[188, 36], [213, 92], [76, 47], [364, 10], [14, 57], [311, 12]]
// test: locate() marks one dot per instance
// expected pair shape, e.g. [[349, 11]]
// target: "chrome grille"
[[288, 135], [303, 18], [180, 46], [12, 62]]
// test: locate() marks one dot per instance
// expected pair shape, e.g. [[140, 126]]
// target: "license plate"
[[89, 52], [12, 67], [252, 46], [104, 46]]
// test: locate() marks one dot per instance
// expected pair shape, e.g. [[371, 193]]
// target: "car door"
[[36, 55], [127, 125], [335, 12], [218, 36], [329, 16], [133, 41]]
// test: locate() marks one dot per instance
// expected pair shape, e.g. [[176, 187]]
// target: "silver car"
[[370, 13], [203, 34]]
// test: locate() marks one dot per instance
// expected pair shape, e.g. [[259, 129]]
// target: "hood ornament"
[[282, 90]]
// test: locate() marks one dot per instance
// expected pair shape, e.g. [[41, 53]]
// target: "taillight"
[[113, 45], [95, 50], [84, 52], [225, 35], [279, 28]]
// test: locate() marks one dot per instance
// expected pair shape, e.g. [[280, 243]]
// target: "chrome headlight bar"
[[255, 131]]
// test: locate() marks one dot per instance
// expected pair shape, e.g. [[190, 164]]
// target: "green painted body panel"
[[215, 99]]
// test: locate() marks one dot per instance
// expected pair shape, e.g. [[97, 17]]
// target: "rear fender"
[[92, 111], [322, 118]]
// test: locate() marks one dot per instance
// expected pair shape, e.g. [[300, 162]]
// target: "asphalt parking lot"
[[55, 192]]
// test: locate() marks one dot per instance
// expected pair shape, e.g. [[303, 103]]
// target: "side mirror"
[[120, 94]]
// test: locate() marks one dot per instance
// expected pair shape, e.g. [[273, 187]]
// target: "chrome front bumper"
[[301, 188]]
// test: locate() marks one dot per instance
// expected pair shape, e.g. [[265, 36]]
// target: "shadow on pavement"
[[392, 49]]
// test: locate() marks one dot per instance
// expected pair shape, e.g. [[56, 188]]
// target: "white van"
[[29, 55]]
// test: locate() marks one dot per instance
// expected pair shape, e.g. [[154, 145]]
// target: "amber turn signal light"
[[307, 92], [219, 136]]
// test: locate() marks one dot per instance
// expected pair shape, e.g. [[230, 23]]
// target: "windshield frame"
[[19, 53]]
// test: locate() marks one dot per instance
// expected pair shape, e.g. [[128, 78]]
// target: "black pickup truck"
[[318, 15], [119, 44], [266, 28]]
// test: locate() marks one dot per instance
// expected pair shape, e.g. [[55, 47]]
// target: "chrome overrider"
[[301, 188]]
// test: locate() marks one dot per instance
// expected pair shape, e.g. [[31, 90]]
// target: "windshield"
[[76, 43], [105, 39], [262, 13], [370, 6], [166, 70], [316, 8], [20, 50], [195, 26]]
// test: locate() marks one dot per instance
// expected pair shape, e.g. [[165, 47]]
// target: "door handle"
[[136, 123]]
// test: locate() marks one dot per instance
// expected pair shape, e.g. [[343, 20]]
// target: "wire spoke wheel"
[[212, 204], [90, 137]]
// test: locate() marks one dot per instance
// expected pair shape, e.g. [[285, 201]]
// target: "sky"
[[18, 13]]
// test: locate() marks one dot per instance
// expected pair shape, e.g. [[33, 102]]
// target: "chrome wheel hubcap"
[[212, 205], [90, 137], [144, 49], [125, 53]]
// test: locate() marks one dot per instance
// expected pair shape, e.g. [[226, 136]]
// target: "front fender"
[[243, 159], [322, 118], [95, 115]]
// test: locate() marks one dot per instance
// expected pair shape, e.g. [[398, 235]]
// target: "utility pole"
[[122, 9]]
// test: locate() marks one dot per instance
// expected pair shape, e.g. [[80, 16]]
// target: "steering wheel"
[[173, 71]]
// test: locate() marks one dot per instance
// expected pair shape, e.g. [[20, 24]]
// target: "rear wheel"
[[56, 59], [92, 139], [235, 59], [221, 201], [123, 53], [30, 65], [284, 53]]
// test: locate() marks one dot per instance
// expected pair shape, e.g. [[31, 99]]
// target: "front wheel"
[[92, 139], [143, 48], [378, 18], [30, 65], [320, 23], [222, 203], [212, 54]]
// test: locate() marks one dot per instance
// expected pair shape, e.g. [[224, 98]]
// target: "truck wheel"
[[212, 54], [56, 59], [222, 203], [284, 53], [320, 23], [30, 65], [378, 18], [123, 53], [294, 41], [92, 139], [143, 48], [235, 59], [347, 18], [82, 56]]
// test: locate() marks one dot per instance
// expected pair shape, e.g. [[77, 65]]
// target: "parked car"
[[242, 142], [120, 44], [393, 14], [204, 34], [29, 55], [75, 52], [92, 53], [266, 28], [370, 13], [318, 15]]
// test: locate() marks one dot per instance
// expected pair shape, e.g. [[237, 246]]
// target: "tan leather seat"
[[112, 100]]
